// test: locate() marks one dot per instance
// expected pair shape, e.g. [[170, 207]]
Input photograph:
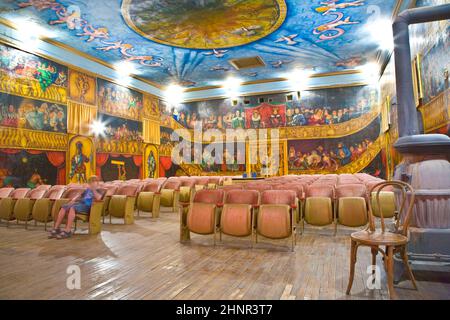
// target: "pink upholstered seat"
[[152, 186], [258, 186], [5, 192], [275, 217], [203, 214]]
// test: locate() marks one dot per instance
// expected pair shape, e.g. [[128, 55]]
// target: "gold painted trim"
[[246, 83], [126, 16]]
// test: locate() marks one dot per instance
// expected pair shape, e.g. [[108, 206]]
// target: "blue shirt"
[[87, 197]]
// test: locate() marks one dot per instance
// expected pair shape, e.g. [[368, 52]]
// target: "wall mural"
[[151, 163], [30, 168], [81, 159], [315, 107], [118, 100], [82, 88], [112, 167], [323, 36], [27, 75], [19, 112], [121, 135], [331, 154]]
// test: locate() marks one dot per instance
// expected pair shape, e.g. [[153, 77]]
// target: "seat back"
[[172, 185], [250, 197], [128, 190], [44, 186], [19, 193], [351, 190], [278, 197], [73, 192], [297, 188], [212, 196], [319, 190], [258, 186], [405, 197], [152, 186], [233, 187], [5, 192], [55, 192], [37, 193]]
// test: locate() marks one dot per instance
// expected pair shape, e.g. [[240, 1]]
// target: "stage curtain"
[[101, 159], [138, 162], [165, 163], [151, 131], [80, 116], [58, 159]]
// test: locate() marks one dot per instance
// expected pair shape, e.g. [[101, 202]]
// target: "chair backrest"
[[202, 181], [278, 197], [242, 197], [55, 192], [214, 196], [128, 190], [5, 192], [152, 186], [73, 192], [258, 186], [319, 190], [19, 193], [110, 190], [44, 186], [186, 182], [233, 187], [37, 193], [297, 188], [405, 196], [172, 184], [215, 180], [351, 190]]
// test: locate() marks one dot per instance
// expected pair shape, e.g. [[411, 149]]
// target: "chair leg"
[[353, 255], [374, 252], [408, 267], [390, 272]]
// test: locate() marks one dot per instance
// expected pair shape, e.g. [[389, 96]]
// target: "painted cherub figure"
[[333, 27], [332, 5], [93, 33]]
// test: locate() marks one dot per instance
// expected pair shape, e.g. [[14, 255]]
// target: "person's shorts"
[[79, 207]]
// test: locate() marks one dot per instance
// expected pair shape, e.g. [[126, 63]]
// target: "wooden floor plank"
[[146, 261]]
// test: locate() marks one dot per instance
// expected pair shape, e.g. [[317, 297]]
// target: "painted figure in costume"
[[332, 30], [275, 119], [83, 86], [78, 165], [343, 154], [256, 120], [151, 163], [34, 181], [238, 120]]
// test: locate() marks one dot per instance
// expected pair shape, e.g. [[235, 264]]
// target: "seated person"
[[79, 205]]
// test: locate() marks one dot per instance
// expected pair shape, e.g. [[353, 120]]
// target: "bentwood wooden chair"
[[394, 239]]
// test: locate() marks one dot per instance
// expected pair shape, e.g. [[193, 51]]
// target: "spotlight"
[[98, 128], [30, 33], [299, 79], [371, 72], [231, 87], [174, 94]]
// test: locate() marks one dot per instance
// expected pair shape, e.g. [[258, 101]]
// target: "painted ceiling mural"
[[190, 42]]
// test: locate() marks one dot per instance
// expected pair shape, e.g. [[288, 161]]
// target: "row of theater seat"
[[320, 199]]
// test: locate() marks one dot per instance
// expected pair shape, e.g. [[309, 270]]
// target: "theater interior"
[[224, 149]]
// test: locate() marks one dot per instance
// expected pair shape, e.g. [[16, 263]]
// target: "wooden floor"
[[146, 261]]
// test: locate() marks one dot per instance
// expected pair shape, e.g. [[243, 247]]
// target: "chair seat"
[[379, 238], [82, 217]]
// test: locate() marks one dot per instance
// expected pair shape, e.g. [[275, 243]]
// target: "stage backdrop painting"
[[81, 162], [19, 112], [120, 101], [31, 76], [30, 168], [82, 88], [112, 167]]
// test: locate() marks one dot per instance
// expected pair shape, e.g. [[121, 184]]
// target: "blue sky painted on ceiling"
[[335, 37]]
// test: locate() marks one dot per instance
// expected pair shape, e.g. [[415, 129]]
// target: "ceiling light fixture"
[[174, 94], [299, 79], [30, 33], [380, 31], [231, 87], [98, 128], [371, 72]]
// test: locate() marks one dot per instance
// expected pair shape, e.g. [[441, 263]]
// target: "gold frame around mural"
[[436, 113], [147, 150], [69, 155], [355, 166], [17, 138]]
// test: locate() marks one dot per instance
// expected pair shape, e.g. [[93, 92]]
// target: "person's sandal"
[[64, 235], [54, 233]]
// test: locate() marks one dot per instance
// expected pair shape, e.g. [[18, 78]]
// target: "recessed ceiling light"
[[174, 94]]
